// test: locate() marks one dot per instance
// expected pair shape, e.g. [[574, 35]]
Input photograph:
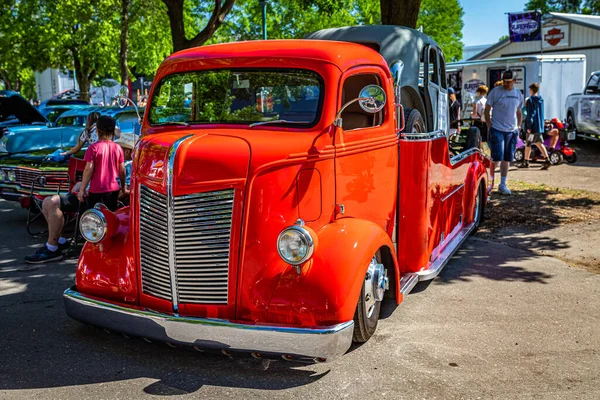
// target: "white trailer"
[[558, 75]]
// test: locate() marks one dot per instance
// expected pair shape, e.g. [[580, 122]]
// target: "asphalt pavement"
[[499, 322]]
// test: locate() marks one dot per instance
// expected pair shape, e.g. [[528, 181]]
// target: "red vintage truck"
[[281, 190]]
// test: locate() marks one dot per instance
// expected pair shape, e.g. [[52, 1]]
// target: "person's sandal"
[[524, 164], [546, 165]]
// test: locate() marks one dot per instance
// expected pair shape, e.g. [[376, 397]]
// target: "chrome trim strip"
[[423, 136], [171, 221], [442, 259], [322, 342], [408, 282], [453, 192]]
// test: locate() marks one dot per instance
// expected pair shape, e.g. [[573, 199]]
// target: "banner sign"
[[555, 36], [525, 27]]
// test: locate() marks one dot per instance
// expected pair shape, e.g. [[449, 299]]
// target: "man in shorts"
[[503, 124]]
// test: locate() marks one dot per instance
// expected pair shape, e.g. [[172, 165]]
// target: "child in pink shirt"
[[105, 163]]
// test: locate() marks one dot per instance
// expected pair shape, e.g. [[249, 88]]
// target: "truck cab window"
[[434, 70], [355, 117], [592, 86]]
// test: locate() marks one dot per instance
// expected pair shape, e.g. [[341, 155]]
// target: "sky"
[[486, 21]]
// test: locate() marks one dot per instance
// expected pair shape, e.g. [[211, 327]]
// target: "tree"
[[124, 71], [443, 22], [85, 35], [401, 12], [565, 6], [175, 11]]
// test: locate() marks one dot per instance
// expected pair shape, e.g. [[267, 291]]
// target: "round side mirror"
[[372, 98], [123, 96]]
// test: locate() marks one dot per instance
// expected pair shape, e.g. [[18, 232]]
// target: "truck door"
[[589, 107]]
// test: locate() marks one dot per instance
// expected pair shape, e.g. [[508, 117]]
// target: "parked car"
[[583, 109], [279, 194], [24, 150]]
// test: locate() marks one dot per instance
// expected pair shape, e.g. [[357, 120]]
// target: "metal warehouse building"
[[561, 34]]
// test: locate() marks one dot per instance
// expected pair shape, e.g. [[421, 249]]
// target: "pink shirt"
[[107, 157]]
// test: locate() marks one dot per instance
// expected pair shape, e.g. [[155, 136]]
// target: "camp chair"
[[64, 183]]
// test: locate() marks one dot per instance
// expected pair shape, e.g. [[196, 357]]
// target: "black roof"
[[392, 42]]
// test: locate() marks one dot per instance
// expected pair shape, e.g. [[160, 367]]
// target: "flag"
[[525, 27]]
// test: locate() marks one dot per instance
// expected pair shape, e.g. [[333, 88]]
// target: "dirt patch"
[[546, 220]]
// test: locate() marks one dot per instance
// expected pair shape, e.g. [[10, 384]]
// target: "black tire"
[[556, 158], [364, 325], [572, 158], [571, 125], [479, 206], [413, 121], [473, 138], [519, 155]]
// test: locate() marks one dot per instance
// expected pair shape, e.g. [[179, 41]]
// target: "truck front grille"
[[201, 230]]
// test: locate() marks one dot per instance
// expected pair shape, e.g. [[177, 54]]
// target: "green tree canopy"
[[565, 6], [442, 20]]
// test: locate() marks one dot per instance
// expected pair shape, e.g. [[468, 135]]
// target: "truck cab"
[[280, 192], [583, 109]]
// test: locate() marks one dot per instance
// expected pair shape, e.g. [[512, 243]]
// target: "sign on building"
[[525, 27], [555, 36]]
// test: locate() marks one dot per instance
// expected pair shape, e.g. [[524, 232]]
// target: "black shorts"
[[532, 138], [70, 204], [109, 199]]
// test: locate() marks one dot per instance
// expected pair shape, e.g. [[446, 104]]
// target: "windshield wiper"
[[171, 123], [278, 121]]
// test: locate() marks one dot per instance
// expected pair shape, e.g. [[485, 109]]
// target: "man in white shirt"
[[504, 124]]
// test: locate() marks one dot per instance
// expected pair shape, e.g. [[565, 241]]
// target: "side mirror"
[[372, 99], [123, 96]]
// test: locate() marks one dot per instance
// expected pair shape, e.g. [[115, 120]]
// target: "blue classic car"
[[24, 148]]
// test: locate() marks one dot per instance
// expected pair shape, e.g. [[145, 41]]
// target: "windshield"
[[238, 97], [52, 114], [72, 120], [126, 121]]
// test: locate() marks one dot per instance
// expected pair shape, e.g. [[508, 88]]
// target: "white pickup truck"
[[583, 109]]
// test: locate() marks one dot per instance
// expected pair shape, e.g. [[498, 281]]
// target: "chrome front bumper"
[[323, 343]]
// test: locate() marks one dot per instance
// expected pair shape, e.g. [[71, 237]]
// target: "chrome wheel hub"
[[477, 207], [376, 283]]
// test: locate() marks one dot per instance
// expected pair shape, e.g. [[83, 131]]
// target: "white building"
[[52, 82], [561, 34]]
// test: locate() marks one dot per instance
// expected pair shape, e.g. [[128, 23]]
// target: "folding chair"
[[67, 181]]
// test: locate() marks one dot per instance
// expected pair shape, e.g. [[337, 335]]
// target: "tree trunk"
[[7, 83], [175, 13], [400, 12], [84, 74], [124, 45]]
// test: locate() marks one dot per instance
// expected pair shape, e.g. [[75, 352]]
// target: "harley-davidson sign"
[[556, 36]]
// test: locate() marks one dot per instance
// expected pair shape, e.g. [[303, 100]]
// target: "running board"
[[440, 262], [408, 282]]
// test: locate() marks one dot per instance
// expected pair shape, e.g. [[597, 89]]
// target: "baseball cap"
[[508, 75], [127, 140], [106, 123], [451, 91]]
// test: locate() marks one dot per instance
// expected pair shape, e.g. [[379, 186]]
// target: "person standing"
[[503, 125], [534, 125], [454, 108], [478, 113]]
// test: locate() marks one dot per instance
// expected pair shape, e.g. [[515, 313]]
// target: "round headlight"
[[295, 245], [2, 175], [93, 226], [11, 176]]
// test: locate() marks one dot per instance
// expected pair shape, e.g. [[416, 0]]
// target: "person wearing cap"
[[503, 124], [105, 162], [454, 108]]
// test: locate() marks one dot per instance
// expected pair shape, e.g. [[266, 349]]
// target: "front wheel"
[[572, 158], [519, 155], [367, 311], [556, 158]]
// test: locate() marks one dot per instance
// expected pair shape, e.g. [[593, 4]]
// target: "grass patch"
[[539, 207]]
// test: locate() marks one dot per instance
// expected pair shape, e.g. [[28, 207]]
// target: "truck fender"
[[325, 291], [475, 176], [108, 269]]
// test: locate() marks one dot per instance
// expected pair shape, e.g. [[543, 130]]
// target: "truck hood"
[[201, 160]]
